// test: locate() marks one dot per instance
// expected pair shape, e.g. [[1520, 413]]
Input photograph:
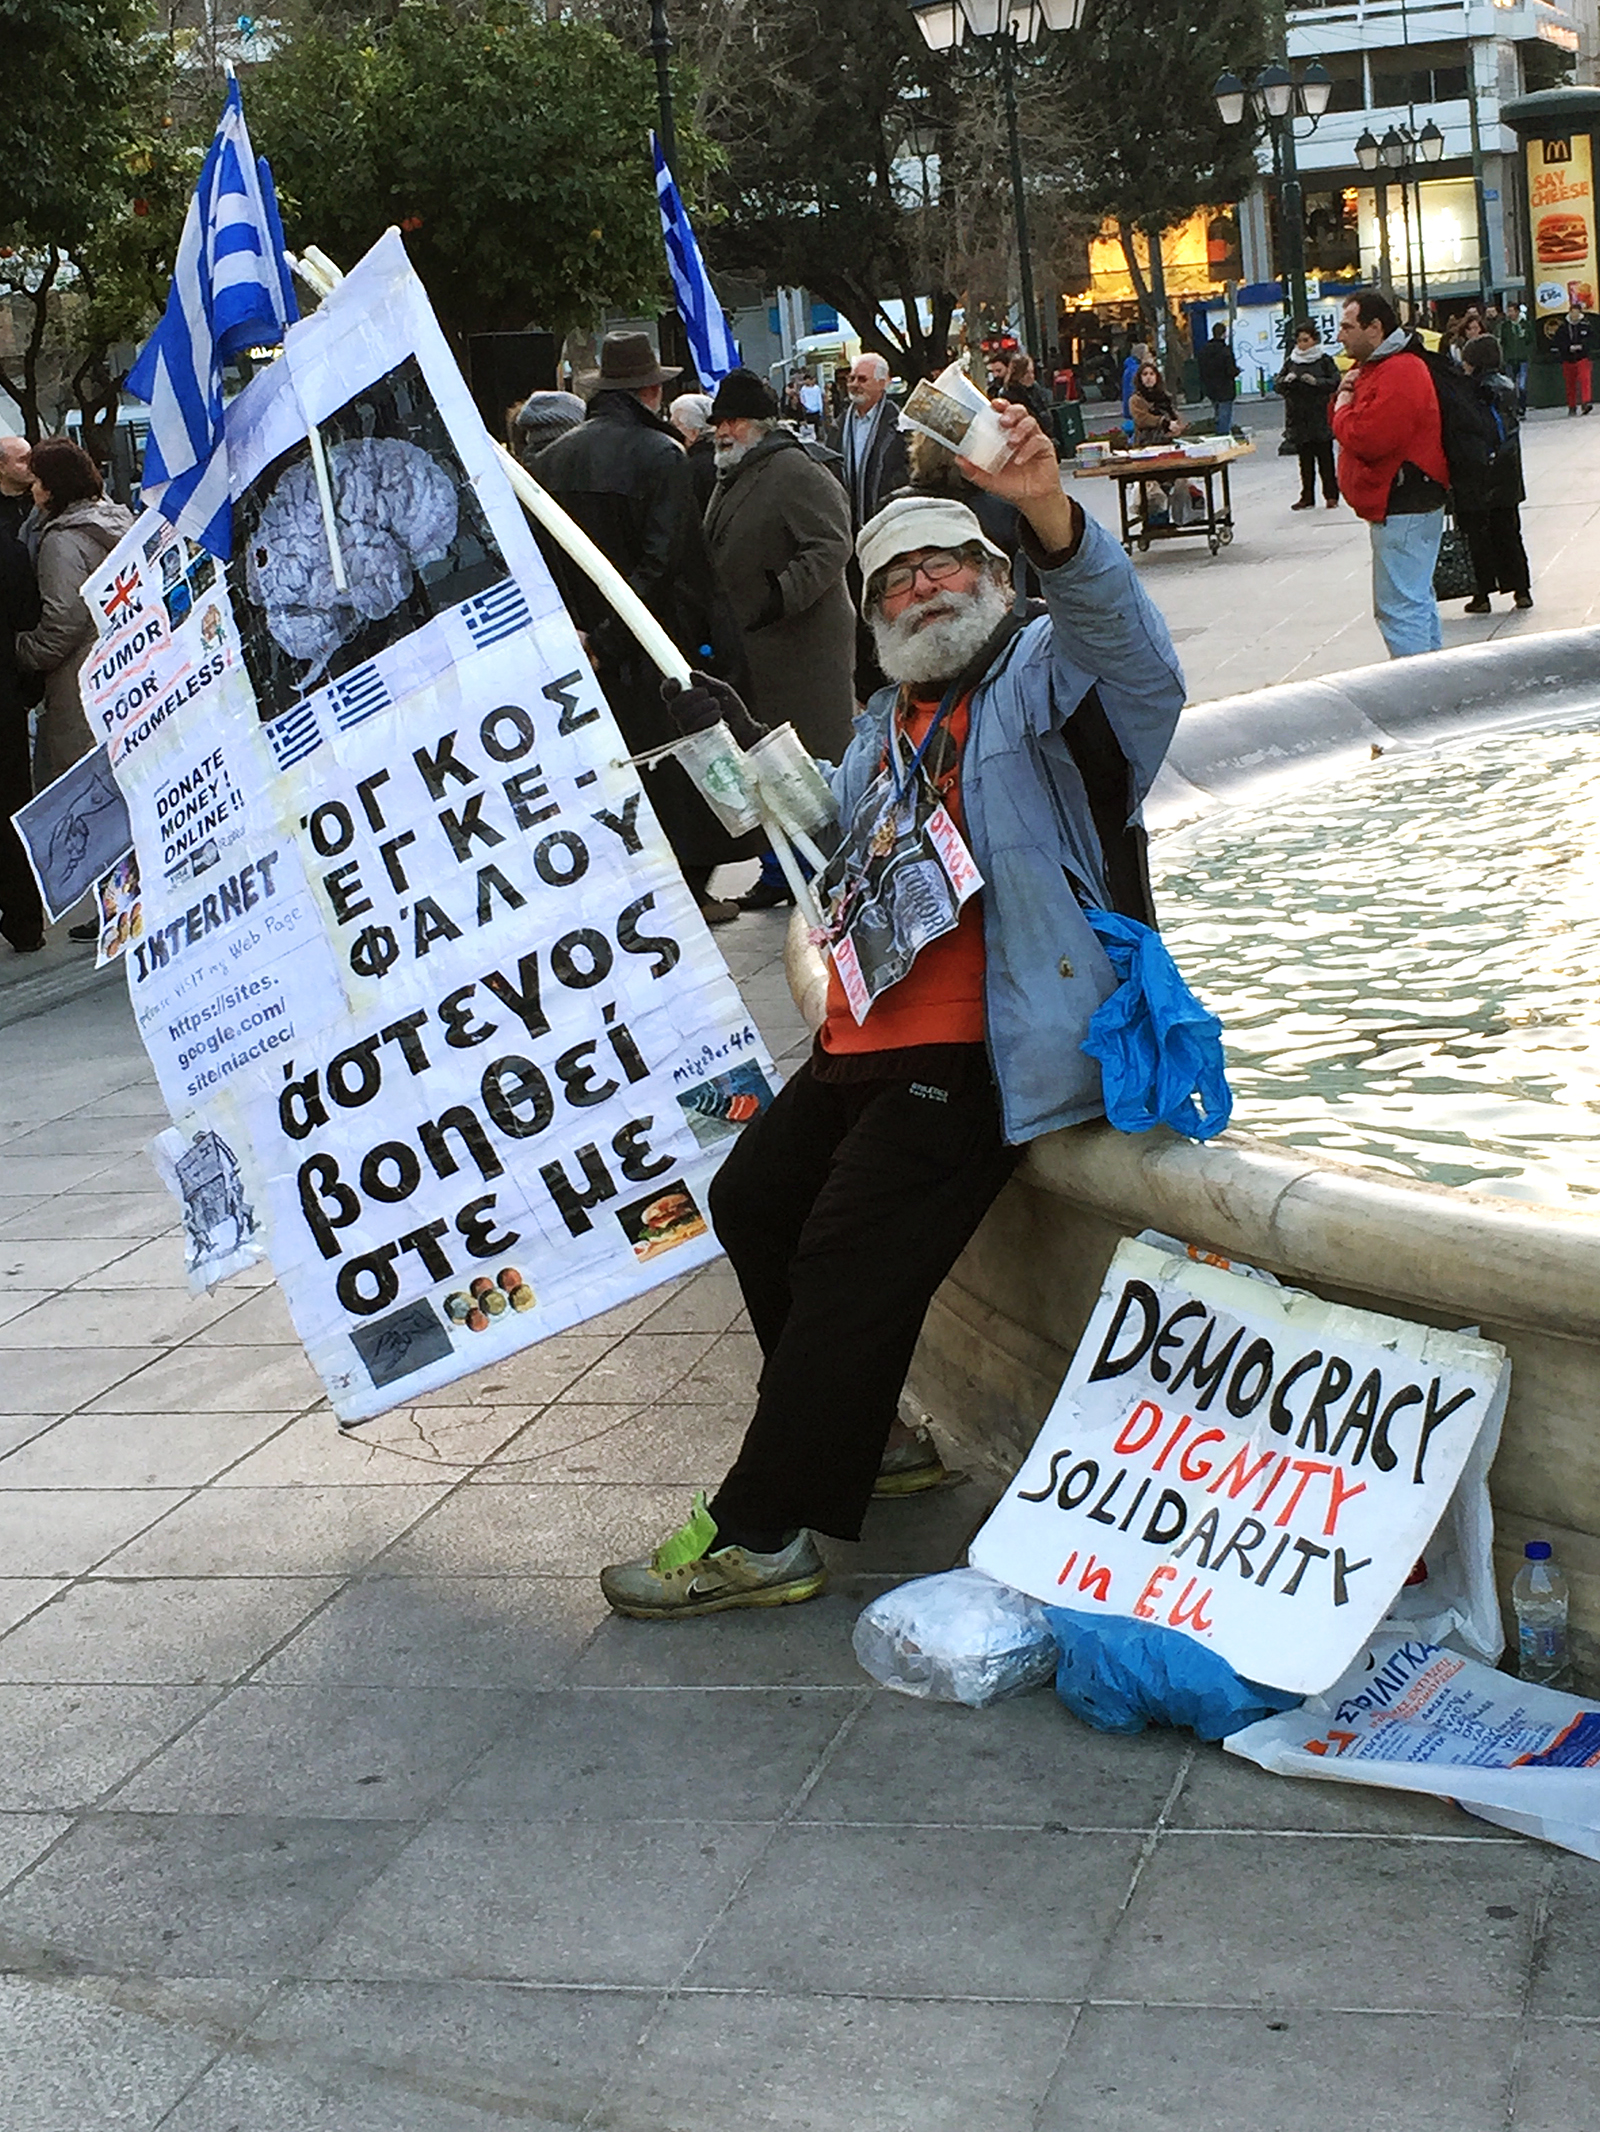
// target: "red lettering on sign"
[[1127, 1441], [1164, 1575], [1201, 1467], [1338, 1495]]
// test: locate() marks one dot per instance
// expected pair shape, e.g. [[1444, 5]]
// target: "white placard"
[[426, 993], [1247, 1464]]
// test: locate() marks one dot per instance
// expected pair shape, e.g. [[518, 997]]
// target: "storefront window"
[[1444, 252]]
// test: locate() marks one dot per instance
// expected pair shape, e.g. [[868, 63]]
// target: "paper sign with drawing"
[[423, 986]]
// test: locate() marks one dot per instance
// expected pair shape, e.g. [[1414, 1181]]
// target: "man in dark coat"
[[870, 441], [21, 912], [872, 445], [1573, 344], [1219, 376], [778, 528], [623, 476], [16, 484]]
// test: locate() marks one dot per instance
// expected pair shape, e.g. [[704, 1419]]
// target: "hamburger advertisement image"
[[1561, 224], [666, 1218], [1561, 240]]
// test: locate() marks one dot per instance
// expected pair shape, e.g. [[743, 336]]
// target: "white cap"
[[912, 522]]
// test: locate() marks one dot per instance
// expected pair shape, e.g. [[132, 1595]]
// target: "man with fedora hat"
[[623, 476], [846, 1202]]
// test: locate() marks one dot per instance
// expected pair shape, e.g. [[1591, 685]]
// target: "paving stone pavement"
[[332, 1800]]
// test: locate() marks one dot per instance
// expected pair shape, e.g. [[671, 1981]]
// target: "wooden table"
[[1212, 523]]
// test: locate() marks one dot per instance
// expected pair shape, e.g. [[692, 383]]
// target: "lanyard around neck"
[[902, 784]]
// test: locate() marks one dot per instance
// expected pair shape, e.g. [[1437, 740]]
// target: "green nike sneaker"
[[690, 1574], [910, 1467]]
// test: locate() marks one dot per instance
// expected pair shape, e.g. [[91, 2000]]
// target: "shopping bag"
[[1160, 1050], [1453, 575]]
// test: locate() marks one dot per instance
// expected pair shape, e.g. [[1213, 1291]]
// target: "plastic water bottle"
[[1539, 1595]]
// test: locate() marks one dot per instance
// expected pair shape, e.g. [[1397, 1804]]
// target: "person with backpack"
[[1392, 468], [1487, 508], [1218, 367]]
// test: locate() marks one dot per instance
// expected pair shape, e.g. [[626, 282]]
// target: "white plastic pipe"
[[320, 274]]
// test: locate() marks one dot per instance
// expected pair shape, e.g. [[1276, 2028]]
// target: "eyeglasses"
[[939, 566]]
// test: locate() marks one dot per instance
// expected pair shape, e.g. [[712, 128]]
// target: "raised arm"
[[1108, 632]]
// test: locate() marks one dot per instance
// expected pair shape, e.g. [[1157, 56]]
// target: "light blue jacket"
[[1028, 822]]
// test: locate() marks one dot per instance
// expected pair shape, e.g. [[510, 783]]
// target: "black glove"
[[698, 707]]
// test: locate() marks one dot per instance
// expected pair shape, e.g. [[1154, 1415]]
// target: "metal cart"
[[1212, 522]]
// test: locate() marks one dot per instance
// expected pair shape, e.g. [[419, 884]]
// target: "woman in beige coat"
[[79, 527]]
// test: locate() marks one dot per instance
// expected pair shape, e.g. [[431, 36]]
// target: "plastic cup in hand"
[[791, 784], [719, 772]]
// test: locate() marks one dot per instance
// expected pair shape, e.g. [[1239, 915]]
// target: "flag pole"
[[320, 274], [313, 268]]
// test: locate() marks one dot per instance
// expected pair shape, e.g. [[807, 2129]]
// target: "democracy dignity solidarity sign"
[[440, 1027], [1247, 1464]]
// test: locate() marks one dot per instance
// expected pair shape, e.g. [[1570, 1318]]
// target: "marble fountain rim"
[[1296, 1210]]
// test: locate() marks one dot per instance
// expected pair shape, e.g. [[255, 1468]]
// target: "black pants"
[[842, 1208], [1315, 459], [21, 912], [1494, 538]]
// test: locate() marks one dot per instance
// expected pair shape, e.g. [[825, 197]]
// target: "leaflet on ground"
[[1412, 1717]]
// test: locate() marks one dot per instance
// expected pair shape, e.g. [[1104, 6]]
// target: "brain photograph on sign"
[[413, 538], [439, 1024]]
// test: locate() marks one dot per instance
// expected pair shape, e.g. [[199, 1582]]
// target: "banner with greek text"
[[439, 1024], [1244, 1463]]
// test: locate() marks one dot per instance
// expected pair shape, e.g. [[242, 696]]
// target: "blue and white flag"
[[713, 347], [230, 290]]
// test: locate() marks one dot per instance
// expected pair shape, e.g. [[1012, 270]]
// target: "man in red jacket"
[[1392, 469]]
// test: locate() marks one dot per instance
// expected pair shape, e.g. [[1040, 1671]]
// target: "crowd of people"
[[57, 525], [734, 518]]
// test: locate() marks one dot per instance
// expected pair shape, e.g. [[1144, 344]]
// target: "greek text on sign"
[[1246, 1464], [439, 1024]]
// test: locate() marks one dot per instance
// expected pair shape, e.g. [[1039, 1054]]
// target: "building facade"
[[1437, 233]]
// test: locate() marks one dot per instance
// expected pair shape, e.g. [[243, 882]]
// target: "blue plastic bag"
[[1160, 1051], [1120, 1675]]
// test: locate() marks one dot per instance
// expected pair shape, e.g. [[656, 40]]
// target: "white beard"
[[728, 456], [940, 649]]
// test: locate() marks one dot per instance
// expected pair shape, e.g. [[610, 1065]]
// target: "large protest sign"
[[1247, 1464], [433, 1009]]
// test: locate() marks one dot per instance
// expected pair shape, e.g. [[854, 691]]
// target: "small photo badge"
[[667, 1218], [955, 413], [719, 1106]]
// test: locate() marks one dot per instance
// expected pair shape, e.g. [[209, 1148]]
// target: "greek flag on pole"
[[714, 348], [230, 290]]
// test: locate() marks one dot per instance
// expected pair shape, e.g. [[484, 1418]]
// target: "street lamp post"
[[661, 46], [1404, 151], [1280, 100], [1007, 23]]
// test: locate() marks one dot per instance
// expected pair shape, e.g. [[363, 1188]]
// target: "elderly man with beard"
[[778, 528], [845, 1204]]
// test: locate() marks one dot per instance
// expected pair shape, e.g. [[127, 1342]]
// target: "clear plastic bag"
[[960, 1637]]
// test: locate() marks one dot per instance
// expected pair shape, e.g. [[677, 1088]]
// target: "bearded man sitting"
[[845, 1204]]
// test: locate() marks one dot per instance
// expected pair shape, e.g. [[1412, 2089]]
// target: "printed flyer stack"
[[438, 1022]]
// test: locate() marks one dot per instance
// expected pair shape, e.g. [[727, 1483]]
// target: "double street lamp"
[[1279, 99], [1006, 23], [1403, 149]]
